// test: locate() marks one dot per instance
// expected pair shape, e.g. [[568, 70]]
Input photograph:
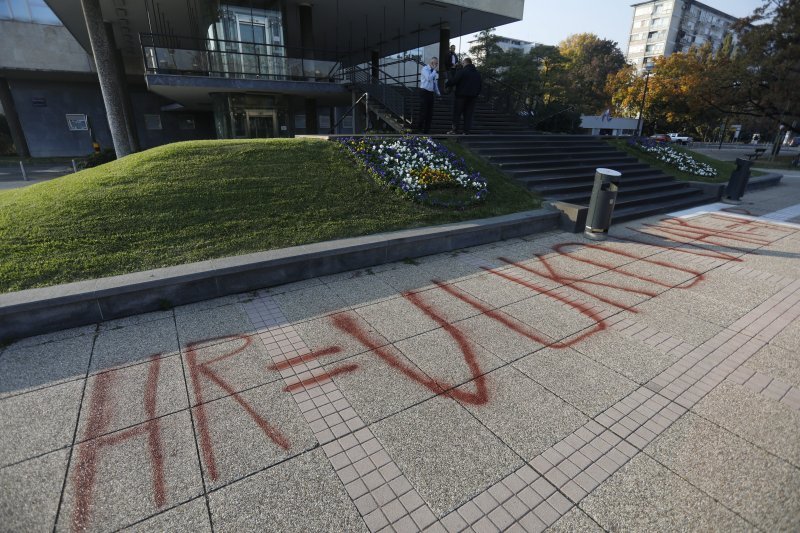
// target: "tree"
[[765, 72], [486, 53], [590, 60]]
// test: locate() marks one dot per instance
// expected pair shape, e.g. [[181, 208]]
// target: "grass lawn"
[[198, 200], [783, 162], [724, 168]]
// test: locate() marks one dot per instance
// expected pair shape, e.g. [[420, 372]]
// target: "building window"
[[152, 122], [28, 11], [186, 122], [77, 122]]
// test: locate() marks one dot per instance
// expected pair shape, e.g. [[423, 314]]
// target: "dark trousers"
[[425, 110], [463, 105]]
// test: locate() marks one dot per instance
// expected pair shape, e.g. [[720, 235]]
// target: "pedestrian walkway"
[[649, 382]]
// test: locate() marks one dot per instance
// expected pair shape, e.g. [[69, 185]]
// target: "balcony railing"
[[221, 58]]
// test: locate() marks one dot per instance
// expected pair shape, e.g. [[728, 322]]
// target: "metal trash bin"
[[601, 204], [737, 183]]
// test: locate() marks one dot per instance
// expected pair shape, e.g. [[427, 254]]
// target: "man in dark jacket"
[[467, 82]]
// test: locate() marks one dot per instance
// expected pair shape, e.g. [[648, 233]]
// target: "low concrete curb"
[[36, 311]]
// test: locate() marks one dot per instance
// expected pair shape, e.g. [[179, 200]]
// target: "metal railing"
[[166, 54]]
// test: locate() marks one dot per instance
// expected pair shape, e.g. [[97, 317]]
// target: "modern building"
[[663, 27], [509, 43], [169, 70]]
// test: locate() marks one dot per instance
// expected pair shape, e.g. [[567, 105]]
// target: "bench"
[[755, 155]]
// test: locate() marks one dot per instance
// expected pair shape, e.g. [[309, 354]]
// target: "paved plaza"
[[645, 383]]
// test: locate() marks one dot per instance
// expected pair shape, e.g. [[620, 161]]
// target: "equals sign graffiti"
[[308, 371]]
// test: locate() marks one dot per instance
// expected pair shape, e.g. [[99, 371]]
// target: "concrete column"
[[108, 75], [10, 111], [130, 121]]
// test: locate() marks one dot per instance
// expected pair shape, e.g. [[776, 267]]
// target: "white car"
[[680, 138]]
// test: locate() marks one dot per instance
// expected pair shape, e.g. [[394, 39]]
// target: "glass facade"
[[249, 116], [28, 11], [249, 42]]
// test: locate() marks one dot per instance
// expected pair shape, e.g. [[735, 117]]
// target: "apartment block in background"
[[663, 27]]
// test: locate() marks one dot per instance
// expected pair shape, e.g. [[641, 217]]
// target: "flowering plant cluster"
[[681, 160], [416, 167]]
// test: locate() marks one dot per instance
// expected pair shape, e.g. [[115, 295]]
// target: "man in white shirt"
[[428, 88]]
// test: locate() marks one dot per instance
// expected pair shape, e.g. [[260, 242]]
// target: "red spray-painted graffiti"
[[101, 411], [692, 239], [199, 370]]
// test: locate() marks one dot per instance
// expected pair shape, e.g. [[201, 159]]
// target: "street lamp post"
[[647, 69]]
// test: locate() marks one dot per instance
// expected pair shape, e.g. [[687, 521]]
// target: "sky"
[[550, 22]]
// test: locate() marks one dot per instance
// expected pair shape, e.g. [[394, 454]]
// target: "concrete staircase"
[[561, 168], [485, 121]]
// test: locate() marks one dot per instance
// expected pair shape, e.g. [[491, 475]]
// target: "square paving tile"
[[666, 271], [789, 338], [322, 333], [777, 362], [445, 453], [125, 488], [754, 417], [233, 443], [502, 341], [549, 316], [689, 328], [441, 356], [229, 366], [209, 326], [134, 344], [362, 290], [24, 368], [645, 496], [380, 388], [523, 414], [38, 422], [760, 487], [30, 491], [574, 261], [406, 277], [701, 305], [766, 262], [300, 495], [731, 289], [135, 320], [187, 518], [495, 290], [633, 359], [122, 395], [579, 380], [56, 336], [574, 521], [310, 303], [448, 268], [397, 319]]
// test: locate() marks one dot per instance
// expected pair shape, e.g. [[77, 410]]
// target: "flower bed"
[[419, 168], [680, 160]]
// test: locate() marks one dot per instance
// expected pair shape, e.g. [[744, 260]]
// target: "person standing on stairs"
[[428, 88], [453, 64], [468, 84]]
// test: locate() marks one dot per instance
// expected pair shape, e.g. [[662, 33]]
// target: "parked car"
[[793, 142], [661, 137], [680, 138]]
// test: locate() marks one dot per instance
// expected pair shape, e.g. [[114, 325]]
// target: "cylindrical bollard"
[[737, 183], [601, 204], [74, 167], [22, 168]]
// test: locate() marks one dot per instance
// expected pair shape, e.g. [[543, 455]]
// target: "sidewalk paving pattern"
[[647, 382]]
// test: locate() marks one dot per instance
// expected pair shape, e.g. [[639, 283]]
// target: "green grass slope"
[[198, 200]]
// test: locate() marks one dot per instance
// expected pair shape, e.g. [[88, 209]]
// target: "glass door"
[[261, 124], [253, 39]]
